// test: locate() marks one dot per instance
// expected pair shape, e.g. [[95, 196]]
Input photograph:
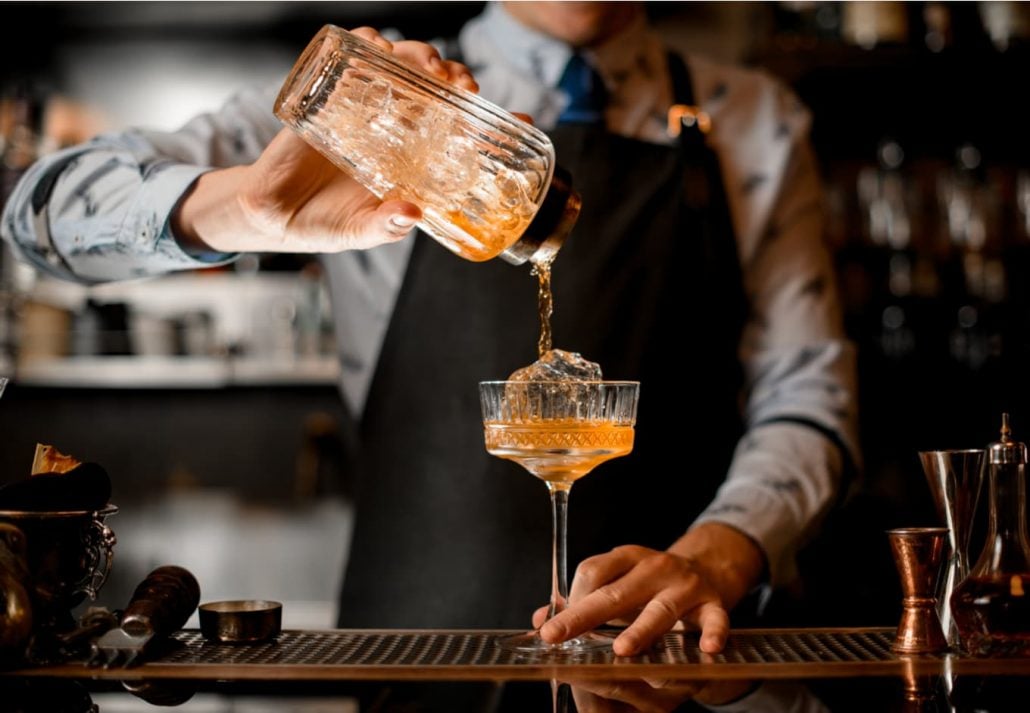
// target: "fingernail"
[[711, 644], [401, 222]]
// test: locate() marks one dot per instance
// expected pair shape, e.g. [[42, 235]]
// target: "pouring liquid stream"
[[545, 302]]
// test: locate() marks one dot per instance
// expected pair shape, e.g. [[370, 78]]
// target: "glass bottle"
[[991, 606], [485, 180]]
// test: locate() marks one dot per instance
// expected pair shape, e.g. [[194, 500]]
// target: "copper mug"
[[67, 556]]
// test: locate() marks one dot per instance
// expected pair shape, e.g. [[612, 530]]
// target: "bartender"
[[743, 437]]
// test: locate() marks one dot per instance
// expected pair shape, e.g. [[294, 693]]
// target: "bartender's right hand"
[[292, 199]]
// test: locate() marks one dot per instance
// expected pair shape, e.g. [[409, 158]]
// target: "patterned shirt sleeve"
[[801, 424], [100, 211]]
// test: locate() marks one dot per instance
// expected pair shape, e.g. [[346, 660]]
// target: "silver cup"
[[955, 477]]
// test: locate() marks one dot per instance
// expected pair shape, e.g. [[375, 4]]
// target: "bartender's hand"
[[292, 199], [693, 584]]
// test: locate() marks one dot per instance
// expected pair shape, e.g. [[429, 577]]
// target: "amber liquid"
[[473, 240], [558, 451], [545, 305], [993, 615]]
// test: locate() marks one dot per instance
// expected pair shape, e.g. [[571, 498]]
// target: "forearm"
[[792, 462], [98, 212], [783, 479]]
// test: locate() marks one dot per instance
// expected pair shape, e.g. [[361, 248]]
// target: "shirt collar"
[[528, 51]]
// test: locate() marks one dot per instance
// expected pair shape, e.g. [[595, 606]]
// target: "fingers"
[[540, 616], [421, 55], [603, 604], [373, 36], [428, 58], [601, 591], [524, 117], [593, 572], [602, 695], [658, 591], [659, 615], [714, 623], [459, 74], [424, 56]]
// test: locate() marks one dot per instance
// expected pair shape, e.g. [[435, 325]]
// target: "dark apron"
[[446, 535]]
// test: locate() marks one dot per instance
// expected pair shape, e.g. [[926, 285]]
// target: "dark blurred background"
[[920, 126]]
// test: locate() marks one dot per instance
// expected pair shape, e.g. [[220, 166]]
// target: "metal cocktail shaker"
[[955, 477]]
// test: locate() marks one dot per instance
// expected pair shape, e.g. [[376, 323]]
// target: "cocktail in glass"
[[559, 431]]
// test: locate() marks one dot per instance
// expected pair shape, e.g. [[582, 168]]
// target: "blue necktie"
[[585, 90]]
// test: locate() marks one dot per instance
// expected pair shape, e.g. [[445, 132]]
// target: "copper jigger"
[[918, 554], [955, 478]]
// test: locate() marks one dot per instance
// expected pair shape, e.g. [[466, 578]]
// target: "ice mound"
[[559, 365]]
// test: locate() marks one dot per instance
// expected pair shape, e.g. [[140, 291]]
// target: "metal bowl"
[[242, 621]]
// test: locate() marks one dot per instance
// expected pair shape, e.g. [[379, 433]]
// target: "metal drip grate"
[[367, 654], [474, 655], [464, 649]]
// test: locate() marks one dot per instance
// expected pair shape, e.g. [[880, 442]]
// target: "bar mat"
[[356, 655], [477, 648]]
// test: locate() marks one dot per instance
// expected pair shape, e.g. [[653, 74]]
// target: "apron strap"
[[679, 75], [703, 184]]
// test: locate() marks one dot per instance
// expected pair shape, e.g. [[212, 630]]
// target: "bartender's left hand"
[[693, 584]]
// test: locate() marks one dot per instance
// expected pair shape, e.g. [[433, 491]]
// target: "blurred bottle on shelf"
[[1006, 23], [888, 202], [937, 26], [873, 24], [803, 24], [970, 211], [21, 116]]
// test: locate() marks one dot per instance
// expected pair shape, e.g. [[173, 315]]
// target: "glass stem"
[[559, 571]]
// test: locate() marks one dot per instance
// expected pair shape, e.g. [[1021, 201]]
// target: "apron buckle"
[[681, 115]]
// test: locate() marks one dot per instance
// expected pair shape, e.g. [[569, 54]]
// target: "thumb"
[[390, 221]]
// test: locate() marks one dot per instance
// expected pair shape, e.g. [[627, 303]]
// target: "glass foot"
[[531, 643]]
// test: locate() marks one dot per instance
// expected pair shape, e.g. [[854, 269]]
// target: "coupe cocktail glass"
[[558, 431]]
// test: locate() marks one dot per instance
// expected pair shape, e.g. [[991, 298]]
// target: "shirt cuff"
[[163, 188], [774, 697]]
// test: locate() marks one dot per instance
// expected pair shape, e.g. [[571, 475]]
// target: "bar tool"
[[243, 621], [918, 554], [160, 606], [955, 478], [48, 647]]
